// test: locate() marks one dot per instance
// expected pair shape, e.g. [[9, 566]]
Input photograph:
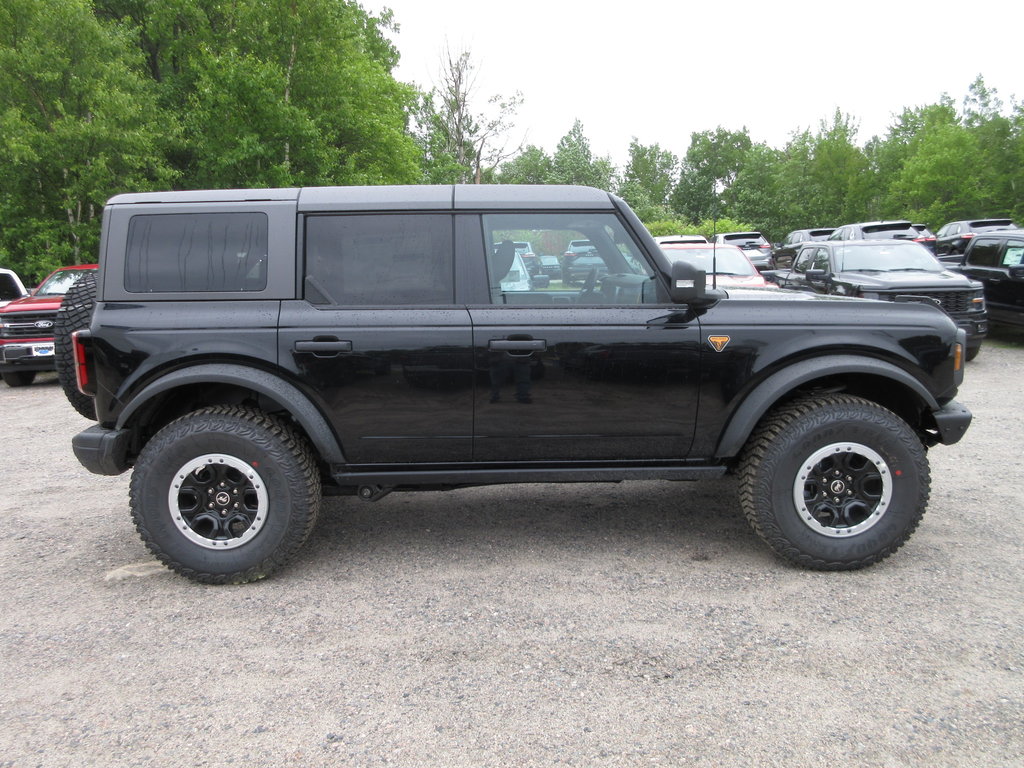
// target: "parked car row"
[[26, 324]]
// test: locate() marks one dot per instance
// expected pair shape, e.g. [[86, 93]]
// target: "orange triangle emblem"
[[718, 342]]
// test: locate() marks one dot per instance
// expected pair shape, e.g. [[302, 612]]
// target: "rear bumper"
[[102, 451], [952, 421]]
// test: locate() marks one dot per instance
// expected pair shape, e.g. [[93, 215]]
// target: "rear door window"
[[379, 260]]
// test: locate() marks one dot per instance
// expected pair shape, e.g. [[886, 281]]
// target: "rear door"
[[377, 339], [600, 370]]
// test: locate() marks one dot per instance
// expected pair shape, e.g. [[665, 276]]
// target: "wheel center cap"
[[223, 498], [837, 487]]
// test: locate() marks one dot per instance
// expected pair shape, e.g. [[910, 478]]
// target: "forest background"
[[99, 97]]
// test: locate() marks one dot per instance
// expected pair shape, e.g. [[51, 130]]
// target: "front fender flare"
[[288, 395], [761, 398]]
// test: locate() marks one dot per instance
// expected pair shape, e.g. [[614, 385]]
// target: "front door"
[[593, 367]]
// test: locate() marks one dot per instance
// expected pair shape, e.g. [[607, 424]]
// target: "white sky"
[[658, 70]]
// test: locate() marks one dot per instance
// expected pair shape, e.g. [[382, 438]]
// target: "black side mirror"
[[689, 286], [1017, 273], [817, 276]]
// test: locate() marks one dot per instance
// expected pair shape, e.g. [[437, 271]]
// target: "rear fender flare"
[[288, 395]]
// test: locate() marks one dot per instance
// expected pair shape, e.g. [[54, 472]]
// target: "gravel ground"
[[582, 625]]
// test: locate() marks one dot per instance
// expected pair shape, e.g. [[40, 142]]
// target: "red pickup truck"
[[26, 327]]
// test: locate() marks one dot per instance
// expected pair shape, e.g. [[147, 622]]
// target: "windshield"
[[727, 259], [886, 257], [58, 283]]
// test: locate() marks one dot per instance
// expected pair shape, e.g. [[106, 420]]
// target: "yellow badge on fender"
[[718, 342]]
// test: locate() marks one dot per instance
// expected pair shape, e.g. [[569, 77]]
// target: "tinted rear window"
[[196, 252], [379, 260], [890, 230]]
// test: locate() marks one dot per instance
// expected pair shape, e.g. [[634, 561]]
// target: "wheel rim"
[[842, 490], [218, 501]]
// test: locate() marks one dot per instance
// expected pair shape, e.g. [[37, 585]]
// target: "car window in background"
[[886, 257]]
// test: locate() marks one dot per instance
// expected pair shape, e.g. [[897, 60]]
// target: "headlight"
[[978, 301]]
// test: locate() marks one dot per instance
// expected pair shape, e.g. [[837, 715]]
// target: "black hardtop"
[[394, 198]]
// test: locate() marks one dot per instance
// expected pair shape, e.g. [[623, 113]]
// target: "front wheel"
[[834, 482], [225, 495]]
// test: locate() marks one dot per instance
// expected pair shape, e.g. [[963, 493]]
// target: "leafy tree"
[[648, 179], [77, 124], [532, 166], [574, 162], [711, 164]]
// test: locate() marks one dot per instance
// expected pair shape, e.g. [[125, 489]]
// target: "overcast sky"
[[657, 71]]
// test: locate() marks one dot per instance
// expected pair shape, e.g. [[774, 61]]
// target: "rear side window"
[[379, 260], [196, 252], [985, 253]]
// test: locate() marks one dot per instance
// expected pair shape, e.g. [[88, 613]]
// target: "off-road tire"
[[283, 482], [786, 457], [74, 314]]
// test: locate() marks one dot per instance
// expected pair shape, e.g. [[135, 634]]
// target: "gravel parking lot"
[[583, 625]]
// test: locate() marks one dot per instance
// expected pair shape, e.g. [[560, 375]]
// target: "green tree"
[[648, 179], [711, 165], [574, 162], [531, 166], [78, 123]]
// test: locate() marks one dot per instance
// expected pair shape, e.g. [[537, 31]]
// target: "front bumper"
[[102, 451], [27, 356], [952, 421]]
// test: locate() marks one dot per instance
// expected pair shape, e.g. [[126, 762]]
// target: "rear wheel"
[[834, 482], [74, 314], [225, 495]]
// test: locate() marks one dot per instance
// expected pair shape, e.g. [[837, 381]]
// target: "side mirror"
[[689, 286], [1017, 273], [817, 275]]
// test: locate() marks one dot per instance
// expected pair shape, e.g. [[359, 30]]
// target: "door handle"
[[517, 345], [323, 347]]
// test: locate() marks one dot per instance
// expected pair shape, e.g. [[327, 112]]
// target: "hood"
[[34, 304], [902, 280]]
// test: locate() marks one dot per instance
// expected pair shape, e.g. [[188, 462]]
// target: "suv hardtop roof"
[[421, 197]]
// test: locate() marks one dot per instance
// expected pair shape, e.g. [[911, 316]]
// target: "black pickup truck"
[[248, 351]]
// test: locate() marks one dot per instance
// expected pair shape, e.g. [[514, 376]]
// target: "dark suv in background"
[[785, 251], [996, 260], [889, 271], [954, 236]]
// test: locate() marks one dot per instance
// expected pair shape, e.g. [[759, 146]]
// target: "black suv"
[[248, 351], [996, 260], [955, 236], [889, 272], [785, 252]]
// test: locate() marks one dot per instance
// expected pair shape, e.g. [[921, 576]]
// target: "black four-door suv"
[[248, 351], [996, 260], [953, 238], [785, 252], [889, 271]]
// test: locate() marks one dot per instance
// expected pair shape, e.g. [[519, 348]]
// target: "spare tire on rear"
[[74, 314]]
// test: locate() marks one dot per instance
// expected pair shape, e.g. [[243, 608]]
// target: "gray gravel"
[[591, 625]]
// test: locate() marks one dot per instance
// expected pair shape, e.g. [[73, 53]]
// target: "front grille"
[[26, 325], [954, 302]]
